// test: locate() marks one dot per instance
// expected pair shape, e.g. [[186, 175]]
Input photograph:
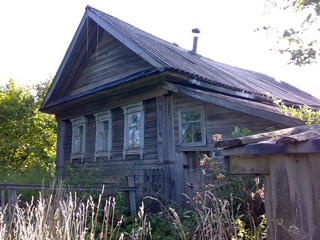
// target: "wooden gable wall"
[[110, 61]]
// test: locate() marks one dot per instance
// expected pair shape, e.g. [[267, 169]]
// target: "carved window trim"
[[79, 130], [100, 151], [129, 111]]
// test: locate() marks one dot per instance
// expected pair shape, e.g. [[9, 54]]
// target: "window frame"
[[100, 118], [202, 122], [79, 122], [127, 110]]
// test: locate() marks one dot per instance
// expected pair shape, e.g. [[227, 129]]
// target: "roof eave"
[[57, 77], [234, 103]]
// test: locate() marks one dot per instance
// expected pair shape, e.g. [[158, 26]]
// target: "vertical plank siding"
[[103, 66], [117, 134], [293, 196], [90, 138], [68, 142]]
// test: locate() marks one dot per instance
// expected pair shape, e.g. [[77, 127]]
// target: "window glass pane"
[[191, 116], [131, 138], [78, 139], [186, 133], [134, 137], [191, 125], [137, 137], [105, 125], [134, 119], [103, 136], [197, 132]]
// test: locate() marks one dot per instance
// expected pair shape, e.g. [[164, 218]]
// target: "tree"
[[305, 113], [27, 136], [301, 40]]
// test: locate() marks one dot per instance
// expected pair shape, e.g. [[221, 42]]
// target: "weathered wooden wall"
[[161, 137], [292, 191], [218, 120], [103, 64], [292, 196]]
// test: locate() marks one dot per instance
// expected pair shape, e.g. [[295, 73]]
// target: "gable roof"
[[167, 57]]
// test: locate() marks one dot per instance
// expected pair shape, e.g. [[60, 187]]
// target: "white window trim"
[[81, 121], [190, 109], [136, 107], [100, 117]]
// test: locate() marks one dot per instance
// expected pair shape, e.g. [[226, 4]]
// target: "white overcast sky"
[[35, 34]]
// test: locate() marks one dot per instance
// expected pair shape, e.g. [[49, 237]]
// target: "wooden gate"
[[157, 182]]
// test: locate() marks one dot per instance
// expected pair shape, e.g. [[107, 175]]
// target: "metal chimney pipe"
[[195, 41]]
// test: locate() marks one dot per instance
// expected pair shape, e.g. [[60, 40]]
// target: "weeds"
[[63, 215]]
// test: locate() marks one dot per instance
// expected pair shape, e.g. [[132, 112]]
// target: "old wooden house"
[[136, 104]]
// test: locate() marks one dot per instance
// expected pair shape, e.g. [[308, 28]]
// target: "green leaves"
[[305, 113], [27, 136], [300, 38]]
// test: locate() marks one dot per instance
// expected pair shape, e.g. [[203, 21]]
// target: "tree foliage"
[[27, 136], [300, 39], [305, 113]]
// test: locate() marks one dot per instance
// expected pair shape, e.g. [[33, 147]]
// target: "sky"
[[35, 35]]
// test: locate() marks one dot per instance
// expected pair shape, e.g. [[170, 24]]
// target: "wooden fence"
[[9, 191], [289, 160], [157, 180]]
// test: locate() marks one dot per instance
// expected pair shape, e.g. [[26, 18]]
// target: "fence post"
[[12, 199], [132, 195], [2, 199]]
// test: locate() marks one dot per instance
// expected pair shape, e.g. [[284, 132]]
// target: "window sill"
[[197, 144], [183, 148], [133, 151], [77, 156], [103, 154]]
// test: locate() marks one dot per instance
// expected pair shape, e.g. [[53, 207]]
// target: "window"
[[133, 130], [78, 138], [191, 127], [103, 134]]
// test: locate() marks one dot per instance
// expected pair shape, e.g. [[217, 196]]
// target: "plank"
[[299, 137], [248, 165], [266, 136]]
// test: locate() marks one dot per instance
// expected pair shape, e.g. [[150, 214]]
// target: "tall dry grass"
[[60, 217], [63, 216]]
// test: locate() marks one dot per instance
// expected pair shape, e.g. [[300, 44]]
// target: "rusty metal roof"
[[175, 58]]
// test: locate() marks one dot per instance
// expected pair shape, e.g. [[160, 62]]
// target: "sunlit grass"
[[62, 215]]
